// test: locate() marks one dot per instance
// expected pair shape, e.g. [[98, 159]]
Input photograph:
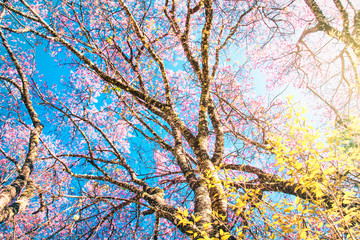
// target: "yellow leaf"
[[303, 234], [196, 219], [299, 208]]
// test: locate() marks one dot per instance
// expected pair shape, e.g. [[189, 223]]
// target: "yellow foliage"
[[328, 167], [322, 164]]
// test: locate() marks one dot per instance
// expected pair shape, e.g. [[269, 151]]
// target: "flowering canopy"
[[155, 131]]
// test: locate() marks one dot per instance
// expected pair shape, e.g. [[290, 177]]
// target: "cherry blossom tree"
[[323, 55], [155, 131]]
